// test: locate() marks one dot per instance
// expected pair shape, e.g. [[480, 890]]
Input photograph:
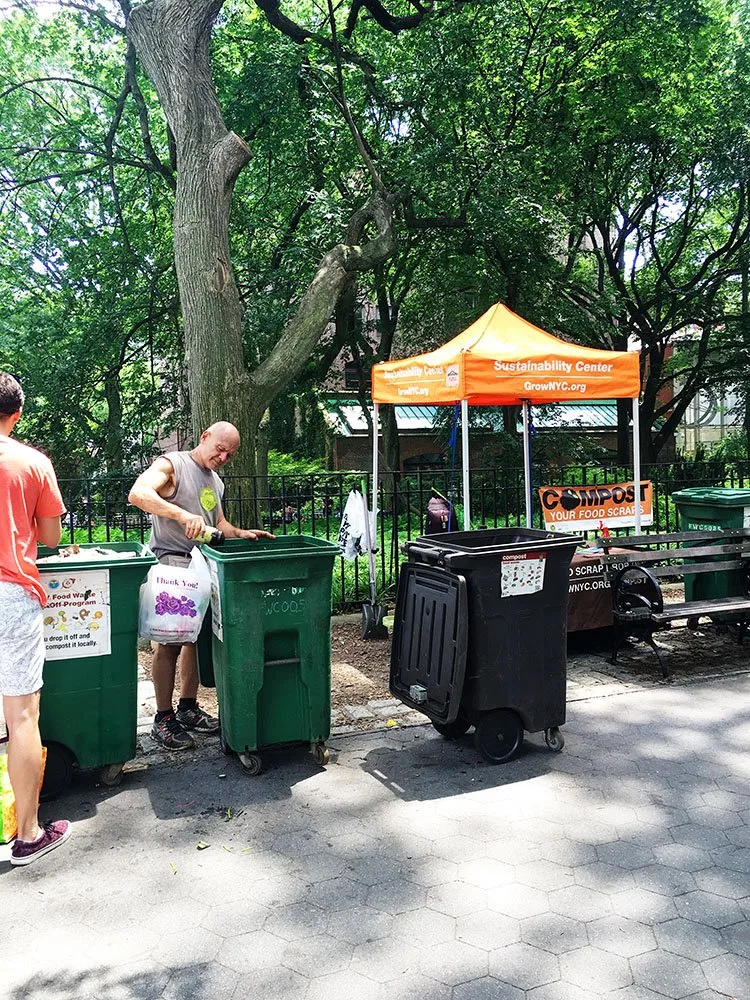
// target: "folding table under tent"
[[502, 360]]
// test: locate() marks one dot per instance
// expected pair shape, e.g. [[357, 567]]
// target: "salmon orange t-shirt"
[[28, 489]]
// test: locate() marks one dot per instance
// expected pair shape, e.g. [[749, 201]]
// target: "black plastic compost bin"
[[479, 635]]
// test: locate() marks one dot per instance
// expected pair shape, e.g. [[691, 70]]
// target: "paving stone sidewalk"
[[409, 869]]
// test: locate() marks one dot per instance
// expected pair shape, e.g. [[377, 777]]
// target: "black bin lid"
[[430, 637]]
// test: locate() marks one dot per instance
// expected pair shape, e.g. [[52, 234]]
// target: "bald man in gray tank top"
[[182, 492]]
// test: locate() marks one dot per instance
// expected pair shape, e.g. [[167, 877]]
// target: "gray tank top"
[[198, 491]]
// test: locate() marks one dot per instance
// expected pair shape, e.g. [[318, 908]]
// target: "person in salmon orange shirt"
[[30, 510]]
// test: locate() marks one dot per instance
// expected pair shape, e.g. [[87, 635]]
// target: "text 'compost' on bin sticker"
[[217, 626], [522, 573], [77, 619]]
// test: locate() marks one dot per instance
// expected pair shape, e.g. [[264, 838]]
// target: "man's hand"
[[254, 535], [194, 525]]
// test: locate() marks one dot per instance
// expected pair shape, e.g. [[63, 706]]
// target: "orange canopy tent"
[[502, 360]]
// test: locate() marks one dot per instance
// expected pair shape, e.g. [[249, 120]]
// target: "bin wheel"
[[58, 771], [321, 754], [223, 745], [251, 763], [499, 735], [554, 739], [111, 775], [453, 730]]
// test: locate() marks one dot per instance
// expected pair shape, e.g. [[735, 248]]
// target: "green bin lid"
[[143, 556], [282, 547], [714, 496]]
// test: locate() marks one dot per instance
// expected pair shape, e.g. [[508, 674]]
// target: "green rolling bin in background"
[[271, 619], [89, 701], [707, 508]]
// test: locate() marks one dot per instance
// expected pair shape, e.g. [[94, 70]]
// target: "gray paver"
[[621, 936], [689, 939], [487, 988], [410, 869], [488, 930], [728, 974], [596, 970], [554, 932], [708, 908], [524, 966], [671, 975], [453, 963]]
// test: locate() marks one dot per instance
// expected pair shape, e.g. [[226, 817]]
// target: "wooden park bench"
[[638, 605]]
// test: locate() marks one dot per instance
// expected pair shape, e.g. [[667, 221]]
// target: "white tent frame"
[[526, 462]]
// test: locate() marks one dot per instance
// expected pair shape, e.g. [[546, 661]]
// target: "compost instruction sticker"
[[522, 573], [217, 626], [77, 618]]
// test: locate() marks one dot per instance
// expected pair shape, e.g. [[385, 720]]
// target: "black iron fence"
[[312, 504]]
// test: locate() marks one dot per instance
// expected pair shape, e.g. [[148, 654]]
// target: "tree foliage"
[[585, 161]]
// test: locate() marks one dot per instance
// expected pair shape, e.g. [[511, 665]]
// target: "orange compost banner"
[[577, 508]]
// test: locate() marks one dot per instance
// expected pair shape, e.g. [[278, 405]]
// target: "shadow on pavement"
[[418, 765]]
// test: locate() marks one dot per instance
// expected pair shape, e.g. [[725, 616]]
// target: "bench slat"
[[691, 554], [692, 569], [633, 541], [696, 609]]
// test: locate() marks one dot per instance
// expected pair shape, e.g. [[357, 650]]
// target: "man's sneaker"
[[198, 721], [168, 733], [53, 834]]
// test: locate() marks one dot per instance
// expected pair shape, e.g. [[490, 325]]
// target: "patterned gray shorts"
[[21, 641]]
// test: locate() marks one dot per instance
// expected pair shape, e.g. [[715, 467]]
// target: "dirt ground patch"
[[359, 669]]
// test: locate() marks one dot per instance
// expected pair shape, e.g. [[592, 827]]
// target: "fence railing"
[[312, 504]]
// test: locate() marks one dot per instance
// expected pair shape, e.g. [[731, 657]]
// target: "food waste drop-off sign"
[[77, 619]]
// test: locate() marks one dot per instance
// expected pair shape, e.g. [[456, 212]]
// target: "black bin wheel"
[[111, 775], [554, 739], [454, 730], [499, 735], [58, 771], [252, 763]]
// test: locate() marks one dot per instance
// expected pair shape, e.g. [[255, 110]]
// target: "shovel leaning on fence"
[[373, 613]]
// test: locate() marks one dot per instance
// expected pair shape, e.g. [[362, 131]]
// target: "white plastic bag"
[[353, 531], [173, 601]]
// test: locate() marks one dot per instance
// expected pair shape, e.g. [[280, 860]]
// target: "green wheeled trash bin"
[[89, 702], [479, 635], [713, 508], [271, 620]]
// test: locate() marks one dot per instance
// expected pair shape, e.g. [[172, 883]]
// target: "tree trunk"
[[113, 452], [172, 40], [745, 327]]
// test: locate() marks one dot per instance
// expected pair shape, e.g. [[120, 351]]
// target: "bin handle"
[[430, 554], [501, 550], [443, 557]]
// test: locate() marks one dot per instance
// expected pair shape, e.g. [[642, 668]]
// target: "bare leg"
[[24, 759], [162, 674], [188, 672]]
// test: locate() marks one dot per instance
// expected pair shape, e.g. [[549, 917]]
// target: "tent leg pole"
[[637, 463], [465, 463], [374, 488], [526, 460]]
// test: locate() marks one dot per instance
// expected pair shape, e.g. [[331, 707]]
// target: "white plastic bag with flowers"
[[173, 601]]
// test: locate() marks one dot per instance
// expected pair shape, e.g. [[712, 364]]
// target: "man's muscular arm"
[[147, 491]]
